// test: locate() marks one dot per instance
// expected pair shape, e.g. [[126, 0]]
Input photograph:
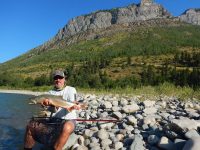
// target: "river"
[[14, 115]]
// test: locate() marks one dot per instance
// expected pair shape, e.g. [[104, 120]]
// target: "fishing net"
[[46, 130]]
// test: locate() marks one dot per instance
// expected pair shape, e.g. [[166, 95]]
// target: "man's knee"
[[28, 130], [68, 127], [28, 139]]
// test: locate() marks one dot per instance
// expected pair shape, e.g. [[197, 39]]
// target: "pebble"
[[161, 123]]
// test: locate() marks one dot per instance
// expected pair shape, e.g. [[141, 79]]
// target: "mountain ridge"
[[144, 11], [107, 18]]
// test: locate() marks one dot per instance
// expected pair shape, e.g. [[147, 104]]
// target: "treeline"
[[188, 59], [179, 77], [7, 79], [89, 76]]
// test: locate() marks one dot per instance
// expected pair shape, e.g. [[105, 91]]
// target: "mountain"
[[125, 16], [191, 16], [119, 42], [100, 20]]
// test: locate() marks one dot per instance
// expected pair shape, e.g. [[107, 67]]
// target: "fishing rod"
[[79, 120], [96, 120]]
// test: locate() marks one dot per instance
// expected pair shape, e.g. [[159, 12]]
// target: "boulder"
[[137, 144], [186, 124], [192, 144]]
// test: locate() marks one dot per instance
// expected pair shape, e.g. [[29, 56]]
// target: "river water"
[[15, 112]]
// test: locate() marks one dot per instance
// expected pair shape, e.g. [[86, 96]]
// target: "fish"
[[56, 101]]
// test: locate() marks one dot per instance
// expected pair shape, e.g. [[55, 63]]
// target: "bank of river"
[[164, 122], [24, 92]]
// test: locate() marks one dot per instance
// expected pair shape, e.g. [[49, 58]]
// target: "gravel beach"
[[26, 92], [164, 123]]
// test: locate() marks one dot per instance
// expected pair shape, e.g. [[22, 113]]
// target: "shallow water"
[[15, 112]]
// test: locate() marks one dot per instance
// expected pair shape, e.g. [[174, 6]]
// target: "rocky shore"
[[165, 123], [161, 123]]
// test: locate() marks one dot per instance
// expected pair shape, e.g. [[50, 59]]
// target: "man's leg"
[[28, 139], [68, 128]]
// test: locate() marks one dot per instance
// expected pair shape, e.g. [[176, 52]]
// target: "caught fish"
[[56, 101]]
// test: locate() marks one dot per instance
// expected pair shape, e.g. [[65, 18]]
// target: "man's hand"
[[76, 107], [46, 102]]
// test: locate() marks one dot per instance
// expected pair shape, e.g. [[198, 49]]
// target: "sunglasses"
[[58, 77]]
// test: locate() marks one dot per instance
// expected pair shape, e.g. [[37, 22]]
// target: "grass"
[[145, 92], [150, 92]]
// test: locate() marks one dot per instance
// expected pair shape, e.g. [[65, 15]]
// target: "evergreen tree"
[[41, 80], [129, 60]]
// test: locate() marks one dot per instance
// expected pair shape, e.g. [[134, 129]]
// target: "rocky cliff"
[[85, 27], [103, 19], [191, 16]]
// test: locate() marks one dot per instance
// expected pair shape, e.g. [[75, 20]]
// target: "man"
[[54, 135]]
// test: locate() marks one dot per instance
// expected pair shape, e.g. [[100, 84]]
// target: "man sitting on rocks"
[[54, 135]]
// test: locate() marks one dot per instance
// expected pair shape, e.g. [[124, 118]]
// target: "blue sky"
[[25, 24]]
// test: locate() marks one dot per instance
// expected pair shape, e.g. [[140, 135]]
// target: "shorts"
[[46, 130]]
